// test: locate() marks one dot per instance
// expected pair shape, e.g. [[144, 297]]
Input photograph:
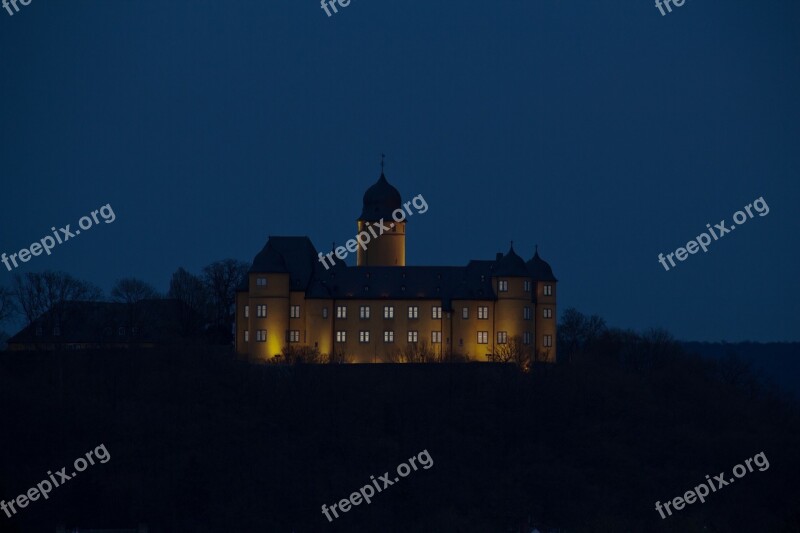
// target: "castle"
[[382, 308]]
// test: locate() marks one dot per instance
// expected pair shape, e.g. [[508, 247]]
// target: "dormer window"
[[261, 282]]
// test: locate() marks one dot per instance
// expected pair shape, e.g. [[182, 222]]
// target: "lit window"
[[246, 311], [261, 311], [294, 311], [526, 285], [363, 311], [502, 285], [547, 312], [412, 336], [526, 337], [413, 311], [526, 313], [548, 290], [324, 312], [261, 335], [341, 336], [388, 336], [294, 336], [261, 282], [548, 341], [436, 337], [483, 337], [502, 337], [388, 311], [246, 336], [465, 313], [341, 312], [483, 313], [436, 312], [363, 336]]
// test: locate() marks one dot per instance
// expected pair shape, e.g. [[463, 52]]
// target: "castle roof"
[[298, 257], [380, 200], [539, 269]]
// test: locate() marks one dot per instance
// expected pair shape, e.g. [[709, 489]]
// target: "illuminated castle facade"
[[373, 311]]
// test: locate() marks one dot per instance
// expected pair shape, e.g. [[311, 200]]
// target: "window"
[[121, 332], [526, 313], [548, 341], [294, 311], [388, 311], [39, 331], [363, 311], [465, 313], [526, 337], [436, 337], [388, 336], [526, 286], [502, 285], [363, 336], [483, 337], [413, 311], [547, 312], [341, 312], [246, 311], [436, 312], [261, 335], [341, 336], [548, 290], [261, 311], [246, 336], [483, 313], [324, 312], [412, 336], [56, 331], [502, 337], [294, 335], [261, 282], [134, 331]]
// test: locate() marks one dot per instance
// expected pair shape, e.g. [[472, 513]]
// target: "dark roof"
[[511, 265], [402, 283], [293, 255], [446, 283], [539, 269], [380, 200], [99, 322]]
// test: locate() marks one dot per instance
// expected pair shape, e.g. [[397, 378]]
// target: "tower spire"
[[382, 156]]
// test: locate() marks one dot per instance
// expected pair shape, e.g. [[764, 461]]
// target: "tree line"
[[210, 295]]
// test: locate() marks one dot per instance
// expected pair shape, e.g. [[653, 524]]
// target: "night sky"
[[601, 131]]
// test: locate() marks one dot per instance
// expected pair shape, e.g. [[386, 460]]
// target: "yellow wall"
[[388, 249]]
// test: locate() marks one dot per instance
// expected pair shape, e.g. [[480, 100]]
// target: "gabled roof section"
[[295, 256]]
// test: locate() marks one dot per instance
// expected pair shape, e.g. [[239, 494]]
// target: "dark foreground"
[[200, 442]]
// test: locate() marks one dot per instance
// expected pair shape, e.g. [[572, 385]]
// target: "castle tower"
[[389, 249]]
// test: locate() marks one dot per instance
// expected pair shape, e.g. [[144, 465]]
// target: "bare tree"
[[221, 279], [513, 351], [413, 352], [7, 306], [37, 293], [132, 290], [190, 290]]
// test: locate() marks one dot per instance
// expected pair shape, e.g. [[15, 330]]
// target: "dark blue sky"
[[602, 131]]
